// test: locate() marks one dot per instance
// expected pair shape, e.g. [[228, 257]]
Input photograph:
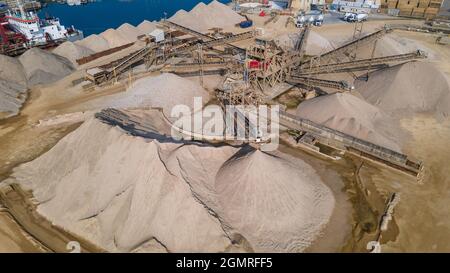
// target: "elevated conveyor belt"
[[197, 34], [131, 60], [300, 44], [196, 67], [217, 42], [335, 53], [352, 144], [359, 65], [339, 85]]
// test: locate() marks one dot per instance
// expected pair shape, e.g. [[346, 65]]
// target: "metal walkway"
[[197, 34], [352, 144], [339, 85], [359, 65]]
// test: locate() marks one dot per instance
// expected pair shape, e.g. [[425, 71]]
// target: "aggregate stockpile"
[[94, 42], [35, 66], [156, 195], [351, 115], [414, 87], [13, 86], [108, 39], [164, 91], [147, 26], [203, 17], [43, 67], [72, 51]]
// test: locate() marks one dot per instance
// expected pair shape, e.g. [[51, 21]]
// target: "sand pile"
[[114, 38], [127, 193], [72, 51], [129, 32], [351, 115], [409, 88], [146, 26], [203, 17], [12, 97], [392, 44], [165, 91], [42, 67], [315, 44], [274, 204], [13, 86], [94, 42]]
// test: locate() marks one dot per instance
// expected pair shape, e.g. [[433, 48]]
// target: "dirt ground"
[[13, 239], [423, 213]]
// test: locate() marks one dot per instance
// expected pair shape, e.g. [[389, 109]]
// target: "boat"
[[20, 30]]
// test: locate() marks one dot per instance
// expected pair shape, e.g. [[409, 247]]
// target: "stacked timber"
[[416, 8], [431, 12], [418, 12], [406, 7], [392, 4], [423, 4], [384, 6]]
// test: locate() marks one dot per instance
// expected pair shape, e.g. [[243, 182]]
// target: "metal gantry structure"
[[265, 70]]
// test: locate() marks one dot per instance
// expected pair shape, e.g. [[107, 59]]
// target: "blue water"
[[96, 17]]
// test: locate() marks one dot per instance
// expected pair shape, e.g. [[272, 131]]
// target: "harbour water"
[[96, 17]]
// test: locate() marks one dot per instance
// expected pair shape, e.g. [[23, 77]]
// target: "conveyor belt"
[[352, 144], [134, 58], [359, 65], [339, 85], [197, 34], [343, 49], [301, 42], [220, 41]]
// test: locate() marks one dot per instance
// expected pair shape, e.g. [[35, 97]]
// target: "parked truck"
[[314, 17], [354, 17]]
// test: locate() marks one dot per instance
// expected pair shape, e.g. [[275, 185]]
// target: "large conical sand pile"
[[129, 32], [146, 26], [128, 193], [13, 86], [94, 42], [393, 44], [203, 17], [274, 204], [165, 91], [351, 115], [72, 51], [114, 38], [42, 67], [409, 88], [180, 13], [12, 97]]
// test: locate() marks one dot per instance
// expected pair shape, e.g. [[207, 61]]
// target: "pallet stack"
[[412, 8], [406, 7]]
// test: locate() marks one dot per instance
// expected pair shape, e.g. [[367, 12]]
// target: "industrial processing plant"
[[234, 126]]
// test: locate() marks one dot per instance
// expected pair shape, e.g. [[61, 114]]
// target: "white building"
[[158, 35]]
